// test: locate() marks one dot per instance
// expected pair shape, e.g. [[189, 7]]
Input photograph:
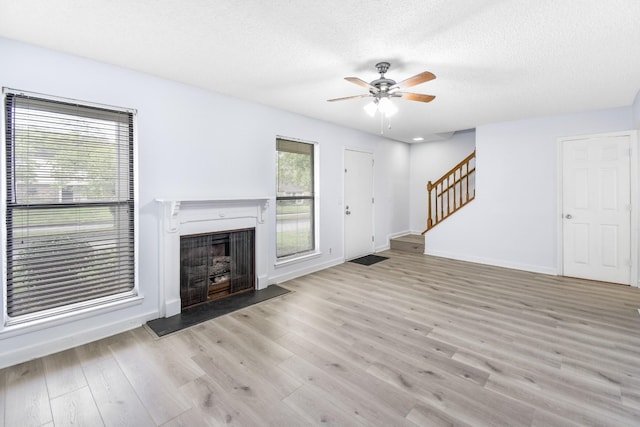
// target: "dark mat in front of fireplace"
[[203, 312]]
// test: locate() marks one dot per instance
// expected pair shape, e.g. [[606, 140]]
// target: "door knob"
[[348, 212], [568, 216]]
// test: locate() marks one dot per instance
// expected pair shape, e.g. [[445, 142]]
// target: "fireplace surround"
[[180, 218]]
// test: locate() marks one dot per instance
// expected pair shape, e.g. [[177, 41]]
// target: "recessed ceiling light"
[[418, 138]]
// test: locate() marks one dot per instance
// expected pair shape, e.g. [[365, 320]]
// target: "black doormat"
[[369, 259], [202, 313]]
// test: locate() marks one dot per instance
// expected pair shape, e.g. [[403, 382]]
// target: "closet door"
[[596, 206]]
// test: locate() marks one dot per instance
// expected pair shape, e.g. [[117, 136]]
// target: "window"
[[69, 206], [295, 198]]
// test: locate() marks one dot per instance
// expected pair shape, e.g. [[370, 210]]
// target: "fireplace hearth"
[[216, 265]]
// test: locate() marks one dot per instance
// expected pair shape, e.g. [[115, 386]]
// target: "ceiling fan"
[[383, 89]]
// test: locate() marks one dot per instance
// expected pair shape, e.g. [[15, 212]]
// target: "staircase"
[[447, 195], [413, 243], [455, 189]]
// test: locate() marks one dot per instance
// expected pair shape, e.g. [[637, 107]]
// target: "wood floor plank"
[[543, 418], [191, 417], [532, 374], [26, 397], [335, 364], [373, 408], [312, 330], [116, 400], [214, 405], [238, 405], [470, 404], [63, 373], [156, 392], [558, 394], [170, 355], [76, 408], [424, 415], [237, 365], [256, 317], [97, 351], [318, 407]]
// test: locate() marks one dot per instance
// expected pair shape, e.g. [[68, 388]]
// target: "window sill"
[[15, 329], [296, 259]]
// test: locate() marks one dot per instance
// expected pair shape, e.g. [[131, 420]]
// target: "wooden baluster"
[[455, 192], [429, 217], [441, 207], [467, 187]]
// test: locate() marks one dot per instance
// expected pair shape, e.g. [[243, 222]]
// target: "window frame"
[[314, 197], [75, 310]]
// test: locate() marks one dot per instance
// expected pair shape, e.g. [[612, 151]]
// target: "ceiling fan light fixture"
[[371, 108], [386, 107]]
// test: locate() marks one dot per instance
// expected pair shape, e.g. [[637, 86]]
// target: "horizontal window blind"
[[70, 205]]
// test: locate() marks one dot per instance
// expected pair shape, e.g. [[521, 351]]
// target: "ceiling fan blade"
[[362, 83], [348, 97], [425, 76], [416, 96]]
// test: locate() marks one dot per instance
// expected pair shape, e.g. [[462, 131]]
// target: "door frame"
[[343, 204], [633, 176]]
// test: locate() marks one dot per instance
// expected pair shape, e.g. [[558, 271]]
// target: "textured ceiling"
[[495, 60]]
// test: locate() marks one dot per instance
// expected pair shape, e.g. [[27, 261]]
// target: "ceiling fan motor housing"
[[382, 84]]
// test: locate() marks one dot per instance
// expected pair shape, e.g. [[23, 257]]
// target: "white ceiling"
[[495, 60]]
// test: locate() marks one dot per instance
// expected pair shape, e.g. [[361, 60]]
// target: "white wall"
[[197, 144], [512, 221], [391, 185], [429, 161]]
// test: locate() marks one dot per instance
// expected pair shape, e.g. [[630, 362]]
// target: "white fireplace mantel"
[[195, 216]]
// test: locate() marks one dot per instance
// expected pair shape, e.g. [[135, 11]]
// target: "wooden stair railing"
[[455, 189]]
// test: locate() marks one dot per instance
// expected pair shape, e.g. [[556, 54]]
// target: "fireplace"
[[220, 219], [216, 265]]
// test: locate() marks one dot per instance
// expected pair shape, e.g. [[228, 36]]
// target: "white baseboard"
[[493, 262], [280, 278]]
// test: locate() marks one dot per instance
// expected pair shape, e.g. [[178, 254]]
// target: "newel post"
[[429, 217]]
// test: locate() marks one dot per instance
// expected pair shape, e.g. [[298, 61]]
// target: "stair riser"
[[407, 247]]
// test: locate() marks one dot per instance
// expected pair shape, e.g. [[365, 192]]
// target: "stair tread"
[[410, 238]]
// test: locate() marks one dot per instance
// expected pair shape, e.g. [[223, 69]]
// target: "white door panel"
[[358, 198], [596, 206]]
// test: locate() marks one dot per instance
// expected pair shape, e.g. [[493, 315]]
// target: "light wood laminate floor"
[[410, 341]]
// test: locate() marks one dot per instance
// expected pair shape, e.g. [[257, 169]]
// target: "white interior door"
[[358, 206], [596, 205]]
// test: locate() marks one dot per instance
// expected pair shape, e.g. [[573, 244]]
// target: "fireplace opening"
[[216, 265]]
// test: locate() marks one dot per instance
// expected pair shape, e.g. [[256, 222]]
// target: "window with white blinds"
[[69, 207]]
